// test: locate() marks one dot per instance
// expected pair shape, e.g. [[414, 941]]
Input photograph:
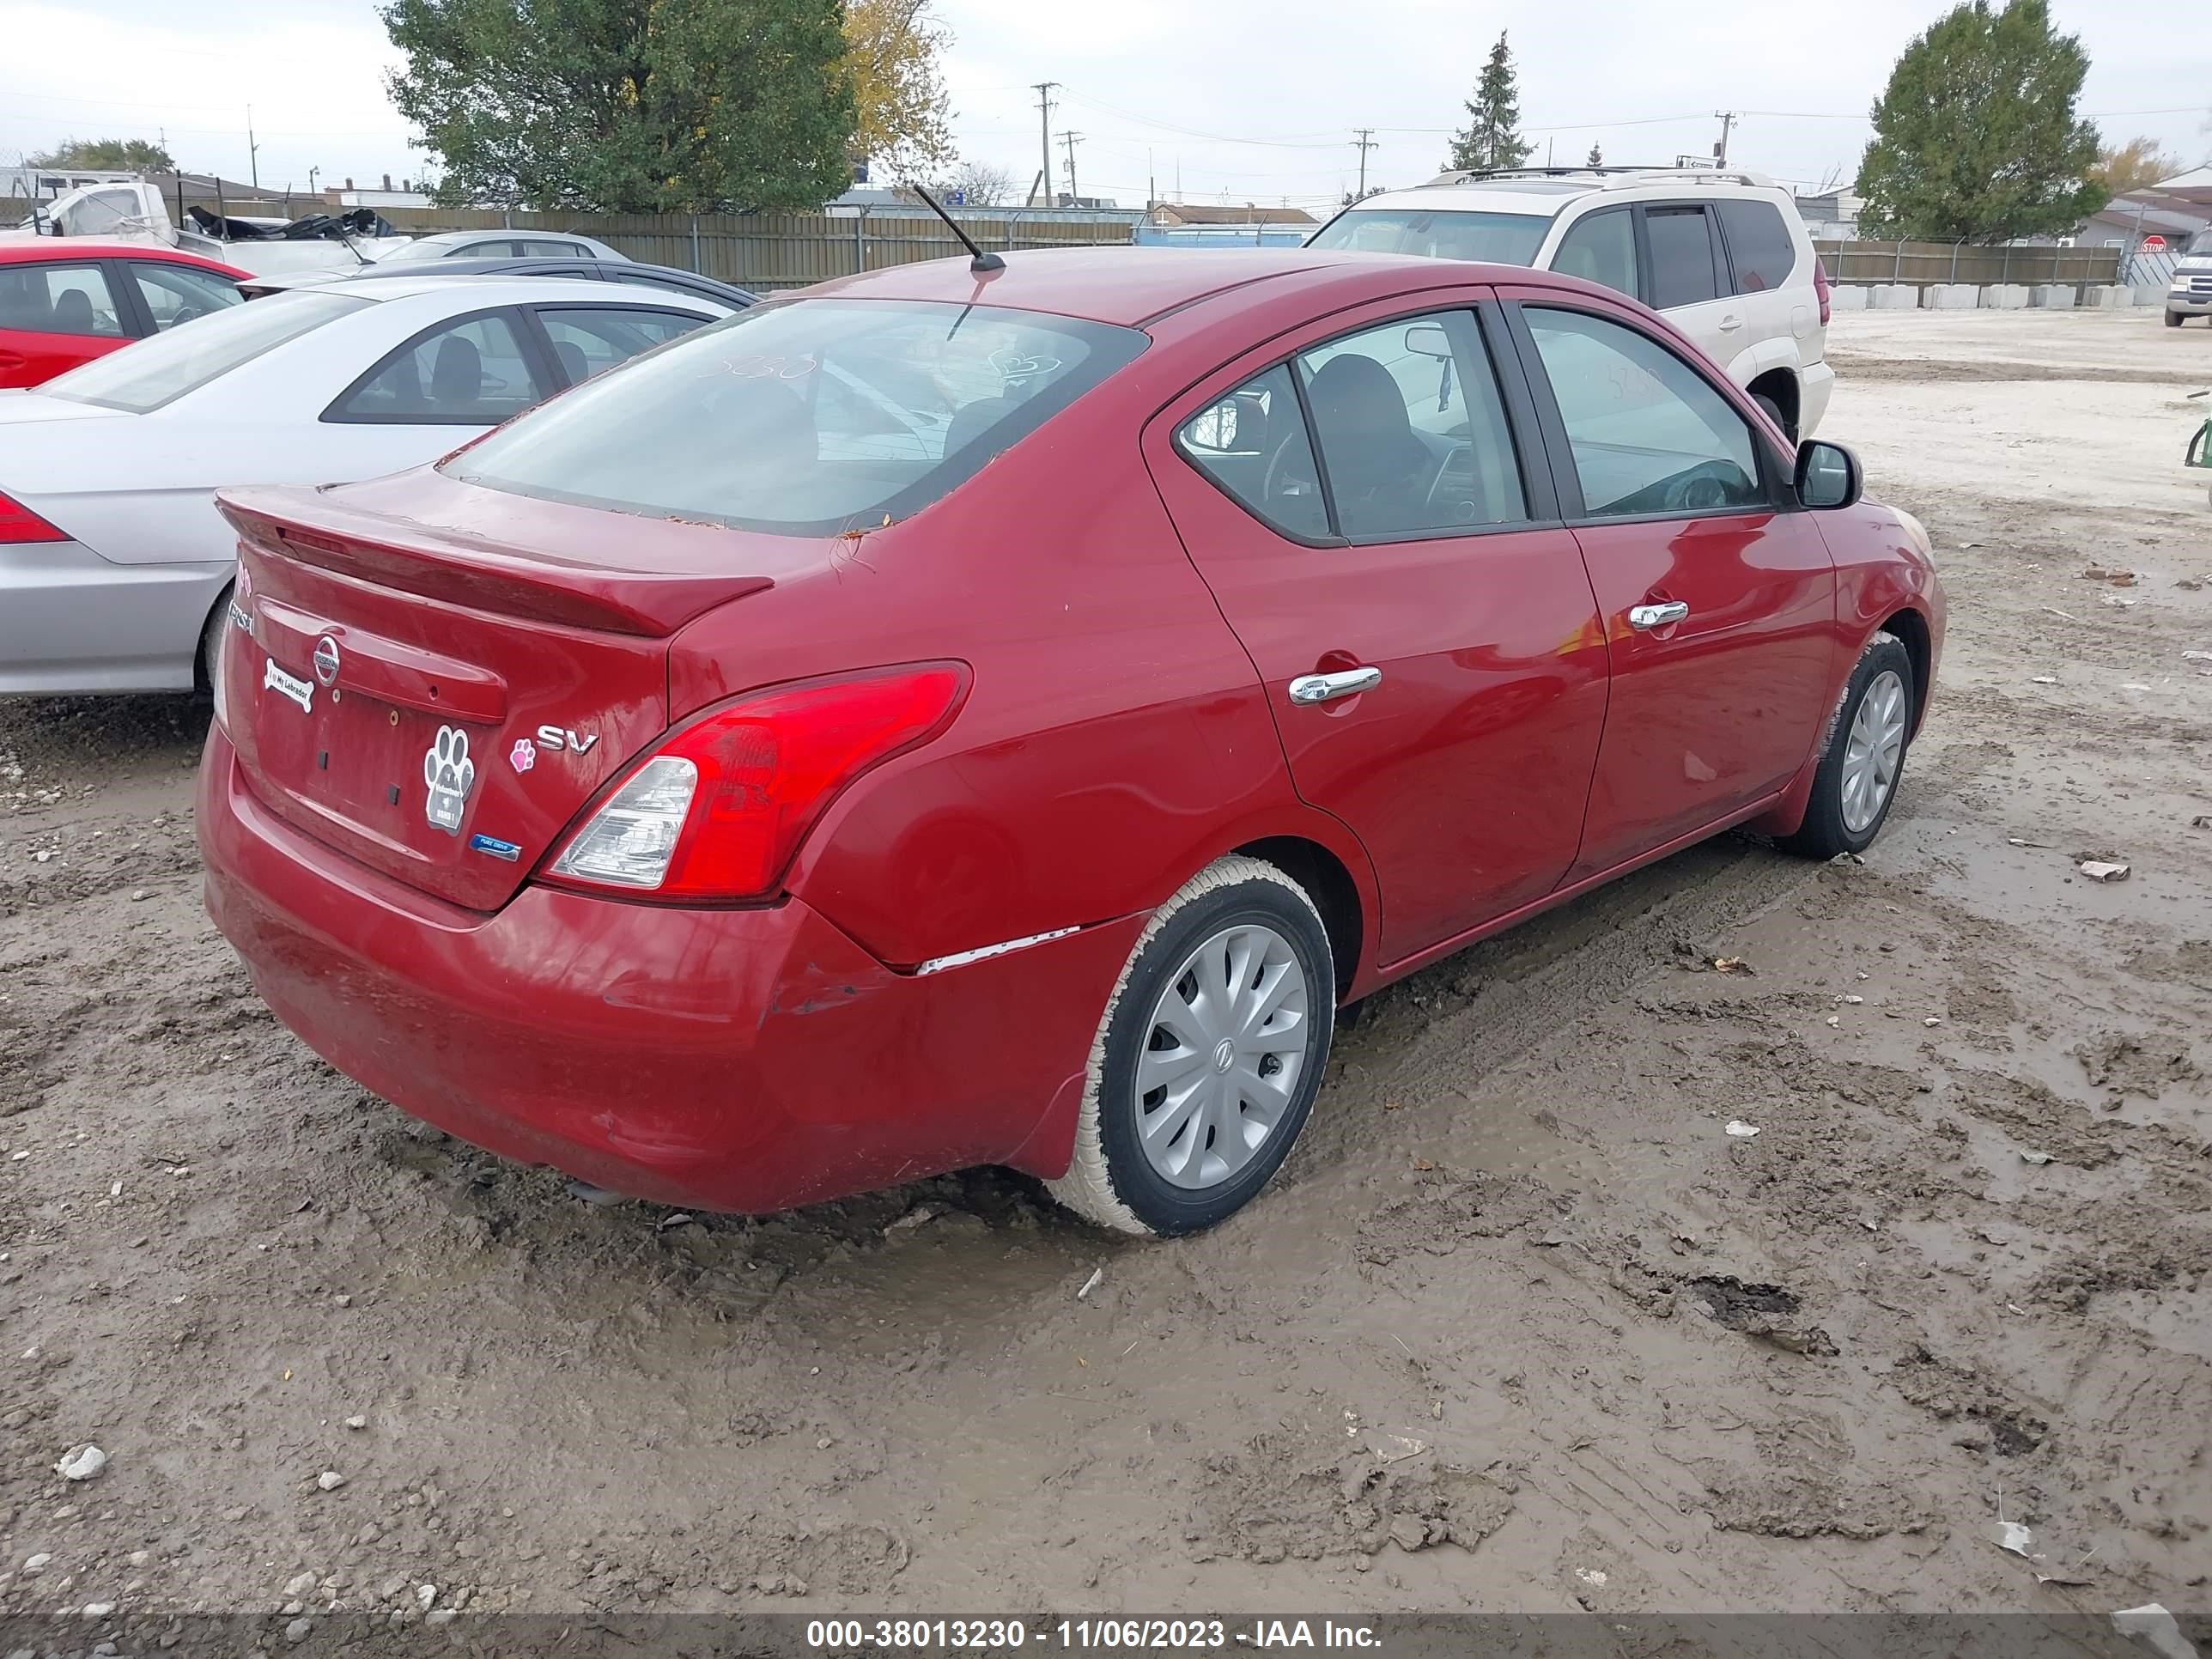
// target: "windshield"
[[1498, 239], [809, 417], [2200, 244], [145, 376]]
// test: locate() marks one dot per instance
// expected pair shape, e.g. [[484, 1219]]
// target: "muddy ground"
[[1522, 1326]]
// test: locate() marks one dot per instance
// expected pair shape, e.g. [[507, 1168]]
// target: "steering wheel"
[[1699, 489]]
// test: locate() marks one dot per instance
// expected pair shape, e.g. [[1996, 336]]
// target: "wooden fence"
[[1966, 262], [759, 251]]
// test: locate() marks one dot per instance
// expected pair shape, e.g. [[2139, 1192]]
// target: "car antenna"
[[981, 260]]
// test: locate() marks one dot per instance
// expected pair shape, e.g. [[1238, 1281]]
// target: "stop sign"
[[2154, 244]]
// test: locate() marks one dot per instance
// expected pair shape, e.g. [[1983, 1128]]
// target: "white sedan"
[[114, 565]]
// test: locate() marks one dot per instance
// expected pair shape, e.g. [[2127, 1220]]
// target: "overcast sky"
[[1241, 100]]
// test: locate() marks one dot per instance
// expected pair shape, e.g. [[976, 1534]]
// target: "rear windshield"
[[1498, 238], [808, 417], [160, 370]]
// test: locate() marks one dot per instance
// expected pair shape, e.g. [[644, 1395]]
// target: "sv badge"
[[558, 738]]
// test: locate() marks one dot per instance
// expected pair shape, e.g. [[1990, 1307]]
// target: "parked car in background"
[[501, 244], [2189, 293], [962, 717], [1724, 255], [114, 564], [62, 303], [594, 271]]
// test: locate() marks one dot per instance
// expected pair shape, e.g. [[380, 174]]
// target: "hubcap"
[[1224, 1051], [1874, 751]]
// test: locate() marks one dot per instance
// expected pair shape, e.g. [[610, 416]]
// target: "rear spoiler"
[[473, 571]]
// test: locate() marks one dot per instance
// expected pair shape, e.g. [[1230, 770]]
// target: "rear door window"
[[58, 299], [181, 294], [1412, 430], [1601, 247], [587, 341], [554, 251], [471, 371], [1760, 249], [1682, 271]]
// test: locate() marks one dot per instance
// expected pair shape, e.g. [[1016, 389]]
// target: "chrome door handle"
[[1320, 687], [1657, 616]]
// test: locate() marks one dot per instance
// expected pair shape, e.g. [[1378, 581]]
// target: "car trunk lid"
[[439, 700]]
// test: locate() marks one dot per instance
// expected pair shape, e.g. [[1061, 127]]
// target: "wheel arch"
[[1780, 384], [1334, 893], [1911, 631]]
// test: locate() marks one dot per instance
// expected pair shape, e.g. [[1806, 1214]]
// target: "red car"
[[956, 717], [66, 301]]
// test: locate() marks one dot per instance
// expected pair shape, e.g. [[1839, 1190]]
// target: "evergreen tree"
[[1976, 138], [629, 106], [1492, 136], [1596, 157]]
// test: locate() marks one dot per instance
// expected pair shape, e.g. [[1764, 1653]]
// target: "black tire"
[[210, 658], [2174, 319], [1826, 833], [1111, 1181], [1774, 413]]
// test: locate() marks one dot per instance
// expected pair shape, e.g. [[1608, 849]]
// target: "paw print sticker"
[[448, 770]]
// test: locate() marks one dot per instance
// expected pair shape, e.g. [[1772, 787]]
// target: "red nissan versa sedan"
[[951, 718], [65, 302]]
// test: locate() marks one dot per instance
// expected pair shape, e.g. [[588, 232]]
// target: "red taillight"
[[718, 810], [1820, 290], [19, 524]]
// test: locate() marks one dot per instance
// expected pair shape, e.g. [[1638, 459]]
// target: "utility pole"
[[1071, 139], [1364, 143], [1044, 127], [253, 151], [1728, 118]]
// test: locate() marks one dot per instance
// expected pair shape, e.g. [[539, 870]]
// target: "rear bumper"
[[71, 622], [1816, 383], [729, 1059]]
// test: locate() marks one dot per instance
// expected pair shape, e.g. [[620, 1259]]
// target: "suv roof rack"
[[1607, 175]]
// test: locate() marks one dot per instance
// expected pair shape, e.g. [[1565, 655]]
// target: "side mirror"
[[1828, 475]]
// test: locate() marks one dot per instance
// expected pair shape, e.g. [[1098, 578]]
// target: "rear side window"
[[588, 340], [469, 372], [179, 294], [1681, 257], [1253, 445], [808, 417], [554, 251], [1758, 244], [59, 299], [1601, 248], [163, 368]]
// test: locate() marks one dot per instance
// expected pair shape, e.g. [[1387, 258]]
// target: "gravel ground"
[[1521, 1327]]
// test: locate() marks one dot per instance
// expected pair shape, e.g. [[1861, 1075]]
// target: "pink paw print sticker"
[[523, 755]]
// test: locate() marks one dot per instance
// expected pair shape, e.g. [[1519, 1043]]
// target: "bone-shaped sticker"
[[302, 692]]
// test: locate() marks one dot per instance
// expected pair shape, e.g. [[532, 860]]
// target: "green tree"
[[1492, 136], [1596, 156], [629, 106], [107, 156], [1976, 138], [898, 89]]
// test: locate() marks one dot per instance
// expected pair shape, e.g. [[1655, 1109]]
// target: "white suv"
[[1724, 255]]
